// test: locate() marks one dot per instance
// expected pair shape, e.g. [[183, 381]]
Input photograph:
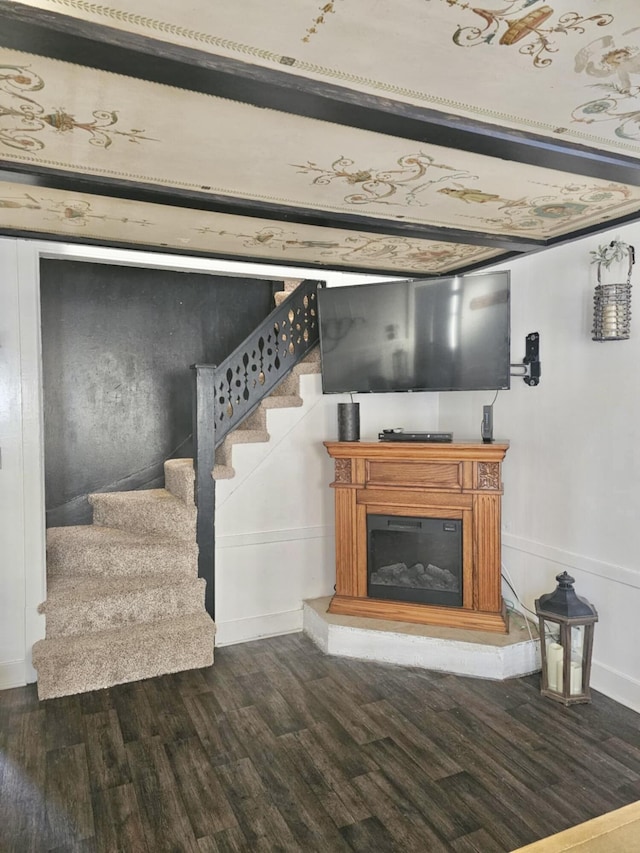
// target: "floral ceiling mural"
[[24, 121], [535, 32], [547, 208], [568, 46], [320, 19], [540, 99], [563, 204], [533, 26], [137, 223], [124, 128], [616, 64], [402, 185]]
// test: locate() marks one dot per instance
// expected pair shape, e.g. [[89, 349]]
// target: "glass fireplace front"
[[415, 559]]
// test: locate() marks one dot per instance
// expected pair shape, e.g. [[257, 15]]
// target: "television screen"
[[445, 334]]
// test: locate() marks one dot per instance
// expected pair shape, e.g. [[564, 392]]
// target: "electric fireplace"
[[418, 532]]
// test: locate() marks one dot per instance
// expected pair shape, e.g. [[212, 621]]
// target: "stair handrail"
[[226, 394], [265, 357]]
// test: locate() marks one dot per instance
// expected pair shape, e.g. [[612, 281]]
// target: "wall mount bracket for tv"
[[530, 368]]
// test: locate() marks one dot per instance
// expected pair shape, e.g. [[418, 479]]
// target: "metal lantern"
[[612, 302], [566, 642]]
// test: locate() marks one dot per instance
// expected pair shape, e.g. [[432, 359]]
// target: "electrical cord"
[[548, 633], [524, 607]]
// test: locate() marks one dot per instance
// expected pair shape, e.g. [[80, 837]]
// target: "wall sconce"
[[566, 642], [612, 302]]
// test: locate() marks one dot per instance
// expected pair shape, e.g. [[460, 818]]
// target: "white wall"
[[571, 475], [274, 521], [12, 567]]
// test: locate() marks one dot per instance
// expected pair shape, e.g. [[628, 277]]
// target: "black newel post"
[[204, 404]]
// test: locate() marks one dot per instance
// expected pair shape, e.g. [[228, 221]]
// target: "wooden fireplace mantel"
[[436, 480]]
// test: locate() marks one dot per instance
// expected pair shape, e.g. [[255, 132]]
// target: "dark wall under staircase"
[[117, 344]]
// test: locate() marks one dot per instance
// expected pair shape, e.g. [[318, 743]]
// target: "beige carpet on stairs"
[[124, 600]]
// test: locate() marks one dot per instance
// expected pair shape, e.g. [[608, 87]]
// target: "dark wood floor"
[[277, 747]]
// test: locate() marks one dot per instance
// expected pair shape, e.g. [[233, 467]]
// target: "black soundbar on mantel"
[[401, 435]]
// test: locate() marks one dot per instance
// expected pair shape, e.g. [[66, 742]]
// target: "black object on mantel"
[[401, 435], [487, 424], [349, 421]]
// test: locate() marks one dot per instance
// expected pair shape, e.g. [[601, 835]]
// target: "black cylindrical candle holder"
[[348, 421]]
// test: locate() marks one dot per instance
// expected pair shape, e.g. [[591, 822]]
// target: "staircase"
[[124, 600]]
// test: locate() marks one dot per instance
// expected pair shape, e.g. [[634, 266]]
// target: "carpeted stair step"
[[252, 429], [283, 401], [256, 420], [284, 395], [80, 605], [154, 511], [289, 285], [246, 436], [93, 550], [311, 363], [222, 471], [239, 436], [76, 664], [179, 479]]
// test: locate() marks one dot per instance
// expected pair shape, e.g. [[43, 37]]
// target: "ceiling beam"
[[592, 230], [71, 182], [72, 40]]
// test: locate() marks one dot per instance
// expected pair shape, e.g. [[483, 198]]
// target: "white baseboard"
[[616, 685], [257, 627], [13, 674]]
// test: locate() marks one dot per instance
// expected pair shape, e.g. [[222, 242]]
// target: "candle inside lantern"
[[555, 655], [575, 677], [575, 685], [577, 642], [610, 318]]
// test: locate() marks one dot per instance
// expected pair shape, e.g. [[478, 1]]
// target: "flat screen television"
[[444, 334]]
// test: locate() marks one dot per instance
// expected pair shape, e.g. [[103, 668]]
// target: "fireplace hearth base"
[[481, 654], [460, 480]]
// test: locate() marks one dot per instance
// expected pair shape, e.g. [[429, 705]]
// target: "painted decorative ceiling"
[[400, 137]]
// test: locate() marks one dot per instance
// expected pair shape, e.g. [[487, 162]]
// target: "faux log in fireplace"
[[418, 532]]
